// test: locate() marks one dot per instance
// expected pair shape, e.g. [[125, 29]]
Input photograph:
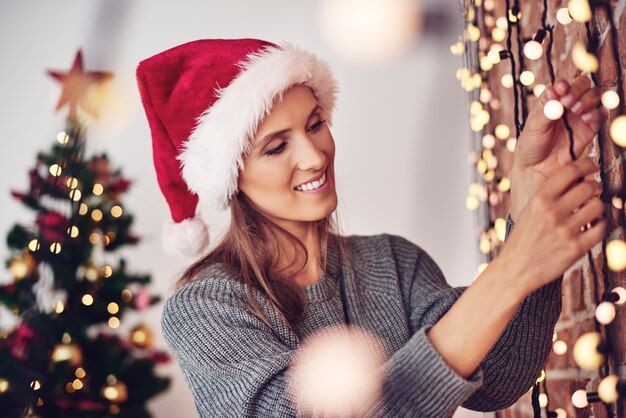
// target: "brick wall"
[[580, 293]]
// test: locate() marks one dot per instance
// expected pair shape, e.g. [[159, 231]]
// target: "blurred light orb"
[[579, 398], [543, 400], [610, 99], [539, 89], [586, 353], [621, 292], [605, 313], [527, 78], [502, 23], [489, 141], [338, 371], [507, 81], [559, 347], [607, 390], [533, 50], [560, 413], [510, 144], [584, 60], [553, 109], [563, 16], [502, 131], [579, 10], [618, 130], [367, 31], [616, 255]]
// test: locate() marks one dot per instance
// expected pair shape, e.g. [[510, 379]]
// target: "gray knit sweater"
[[236, 366]]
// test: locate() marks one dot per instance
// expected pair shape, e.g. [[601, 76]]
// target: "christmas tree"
[[59, 355]]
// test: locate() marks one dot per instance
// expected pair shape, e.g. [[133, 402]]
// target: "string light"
[[34, 245], [83, 209], [62, 138], [618, 130], [579, 399], [538, 89], [583, 60], [605, 313], [610, 99], [113, 308], [87, 300], [527, 78], [579, 10], [621, 293], [533, 50], [502, 131], [559, 347], [616, 255], [563, 16], [55, 170], [507, 81], [55, 247], [72, 182], [586, 353], [553, 109], [75, 195]]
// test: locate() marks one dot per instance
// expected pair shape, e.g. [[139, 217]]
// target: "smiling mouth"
[[312, 185]]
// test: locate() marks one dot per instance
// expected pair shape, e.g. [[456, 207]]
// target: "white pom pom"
[[187, 238]]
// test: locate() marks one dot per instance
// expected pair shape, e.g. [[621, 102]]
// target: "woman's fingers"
[[580, 85], [598, 115], [578, 195], [591, 211], [589, 100], [587, 239], [563, 179]]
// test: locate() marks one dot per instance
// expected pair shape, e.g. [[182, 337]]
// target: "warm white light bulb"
[[502, 23], [563, 16], [559, 347], [502, 131], [510, 144], [527, 78], [489, 141], [560, 413], [538, 89], [616, 255], [621, 292], [610, 99], [533, 50], [553, 109], [586, 353], [507, 81], [584, 60], [579, 10], [618, 130], [579, 398], [607, 390], [543, 400], [605, 313]]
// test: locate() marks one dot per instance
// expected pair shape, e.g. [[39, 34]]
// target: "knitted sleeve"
[[236, 366], [512, 365]]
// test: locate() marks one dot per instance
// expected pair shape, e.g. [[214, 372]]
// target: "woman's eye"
[[316, 126], [277, 150]]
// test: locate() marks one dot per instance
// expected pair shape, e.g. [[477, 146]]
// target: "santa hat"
[[204, 101]]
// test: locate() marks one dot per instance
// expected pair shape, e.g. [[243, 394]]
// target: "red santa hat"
[[204, 101]]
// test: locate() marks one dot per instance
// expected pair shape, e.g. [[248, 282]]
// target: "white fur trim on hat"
[[187, 238], [213, 154]]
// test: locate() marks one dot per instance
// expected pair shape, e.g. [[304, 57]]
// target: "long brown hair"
[[252, 248]]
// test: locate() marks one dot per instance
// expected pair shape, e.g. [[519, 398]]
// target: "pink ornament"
[[142, 299]]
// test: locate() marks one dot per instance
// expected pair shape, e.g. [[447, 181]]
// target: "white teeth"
[[313, 185]]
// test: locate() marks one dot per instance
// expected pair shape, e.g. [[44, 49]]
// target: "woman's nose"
[[310, 156]]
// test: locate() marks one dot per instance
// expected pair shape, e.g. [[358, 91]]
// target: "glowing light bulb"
[[579, 10], [618, 130], [543, 400], [87, 300], [114, 322], [586, 353], [559, 347], [607, 390], [34, 245], [563, 16], [502, 131], [621, 292], [579, 399], [605, 313], [502, 23], [55, 170], [489, 141], [538, 89], [457, 48], [498, 35], [507, 81], [616, 255], [533, 50], [560, 413], [553, 109], [527, 77], [583, 60], [504, 185], [75, 195], [510, 144], [610, 99], [96, 215], [542, 377], [62, 138], [55, 247]]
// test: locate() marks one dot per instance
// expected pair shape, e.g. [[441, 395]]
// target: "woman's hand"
[[543, 147], [548, 238]]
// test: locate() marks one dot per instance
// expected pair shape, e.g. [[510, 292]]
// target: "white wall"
[[401, 129]]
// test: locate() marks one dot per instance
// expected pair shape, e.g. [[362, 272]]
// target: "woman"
[[249, 122]]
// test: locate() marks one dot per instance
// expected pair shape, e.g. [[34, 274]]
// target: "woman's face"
[[289, 171]]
